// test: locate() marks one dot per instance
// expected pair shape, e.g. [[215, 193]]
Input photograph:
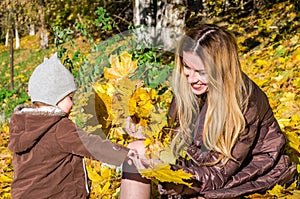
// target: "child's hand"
[[137, 160], [137, 155], [132, 130]]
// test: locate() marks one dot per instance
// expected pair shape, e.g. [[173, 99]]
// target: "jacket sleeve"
[[255, 151], [216, 176], [78, 142], [266, 150]]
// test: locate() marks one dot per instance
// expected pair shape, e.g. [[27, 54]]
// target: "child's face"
[[66, 103]]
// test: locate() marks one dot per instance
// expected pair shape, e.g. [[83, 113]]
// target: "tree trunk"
[[31, 30], [144, 22], [172, 23], [43, 32], [17, 38], [11, 61], [6, 38], [161, 22], [44, 44]]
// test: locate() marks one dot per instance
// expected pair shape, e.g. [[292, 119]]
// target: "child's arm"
[[79, 142]]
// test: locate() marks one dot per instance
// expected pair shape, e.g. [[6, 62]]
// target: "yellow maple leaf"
[[93, 174], [277, 190], [121, 99], [103, 103], [105, 188], [158, 120], [140, 103], [287, 193], [121, 66], [163, 173], [153, 148], [105, 172], [260, 196], [4, 178], [295, 194], [288, 96], [293, 141], [293, 186], [283, 122], [116, 134]]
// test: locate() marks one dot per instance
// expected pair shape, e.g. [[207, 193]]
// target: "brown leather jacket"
[[260, 163], [48, 154]]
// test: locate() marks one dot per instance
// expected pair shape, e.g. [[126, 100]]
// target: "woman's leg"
[[133, 185], [131, 189]]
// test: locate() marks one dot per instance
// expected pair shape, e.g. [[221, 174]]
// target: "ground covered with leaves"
[[269, 43]]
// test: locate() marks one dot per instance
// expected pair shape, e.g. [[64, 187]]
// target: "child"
[[48, 148]]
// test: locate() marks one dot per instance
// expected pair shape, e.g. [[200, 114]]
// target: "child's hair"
[[39, 104]]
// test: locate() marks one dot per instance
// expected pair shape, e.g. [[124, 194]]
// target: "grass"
[[25, 60]]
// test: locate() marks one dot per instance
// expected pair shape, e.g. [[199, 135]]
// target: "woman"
[[226, 125]]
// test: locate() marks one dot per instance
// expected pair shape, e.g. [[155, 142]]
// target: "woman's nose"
[[191, 77]]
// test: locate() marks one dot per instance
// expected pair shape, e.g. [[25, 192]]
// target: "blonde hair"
[[227, 96]]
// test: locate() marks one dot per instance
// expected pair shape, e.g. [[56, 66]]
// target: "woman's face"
[[195, 73]]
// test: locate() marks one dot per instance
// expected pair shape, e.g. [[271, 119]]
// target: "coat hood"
[[28, 125]]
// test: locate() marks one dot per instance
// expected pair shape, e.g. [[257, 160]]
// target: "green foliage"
[[24, 62], [151, 69], [104, 20], [63, 36], [155, 75], [10, 99], [89, 67]]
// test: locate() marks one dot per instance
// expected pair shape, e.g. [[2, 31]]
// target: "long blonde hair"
[[227, 95]]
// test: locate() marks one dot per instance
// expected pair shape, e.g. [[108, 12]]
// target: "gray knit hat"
[[50, 82]]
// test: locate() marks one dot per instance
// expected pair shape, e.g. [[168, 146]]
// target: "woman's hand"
[[169, 188], [137, 147]]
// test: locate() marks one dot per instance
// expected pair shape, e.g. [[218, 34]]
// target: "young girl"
[[48, 148], [226, 125]]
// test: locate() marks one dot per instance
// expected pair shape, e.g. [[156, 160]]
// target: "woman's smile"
[[198, 87]]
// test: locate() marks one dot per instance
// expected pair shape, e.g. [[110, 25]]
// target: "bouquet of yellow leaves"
[[120, 98]]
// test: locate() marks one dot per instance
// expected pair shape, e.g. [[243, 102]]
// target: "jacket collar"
[[49, 110]]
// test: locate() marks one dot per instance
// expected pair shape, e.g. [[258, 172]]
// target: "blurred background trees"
[[39, 16]]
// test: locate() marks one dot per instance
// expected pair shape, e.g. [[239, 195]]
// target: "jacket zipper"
[[85, 177]]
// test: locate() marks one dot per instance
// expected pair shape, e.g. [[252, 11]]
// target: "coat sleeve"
[[216, 176], [78, 142], [266, 150], [255, 152]]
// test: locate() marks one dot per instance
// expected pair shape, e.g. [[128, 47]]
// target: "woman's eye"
[[186, 66], [201, 73]]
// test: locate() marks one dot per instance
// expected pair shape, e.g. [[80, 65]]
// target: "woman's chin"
[[199, 91]]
